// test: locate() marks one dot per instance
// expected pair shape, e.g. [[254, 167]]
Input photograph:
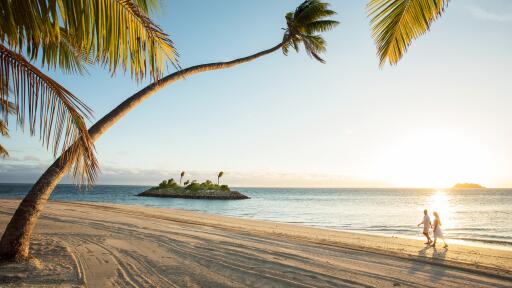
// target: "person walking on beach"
[[438, 232], [426, 226]]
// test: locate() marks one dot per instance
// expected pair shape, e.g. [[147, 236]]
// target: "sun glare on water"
[[440, 202]]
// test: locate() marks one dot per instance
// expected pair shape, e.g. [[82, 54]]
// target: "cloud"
[[20, 173], [483, 14], [31, 158], [23, 172], [115, 175]]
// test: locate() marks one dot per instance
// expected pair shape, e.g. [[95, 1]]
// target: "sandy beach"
[[106, 245]]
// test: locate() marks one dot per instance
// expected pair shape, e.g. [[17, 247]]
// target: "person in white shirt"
[[426, 226]]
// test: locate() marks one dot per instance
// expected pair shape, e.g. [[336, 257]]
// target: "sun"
[[436, 159], [440, 202]]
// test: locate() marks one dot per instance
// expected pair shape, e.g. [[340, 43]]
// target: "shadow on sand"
[[433, 255]]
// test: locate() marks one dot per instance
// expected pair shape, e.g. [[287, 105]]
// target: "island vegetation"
[[194, 190], [467, 186]]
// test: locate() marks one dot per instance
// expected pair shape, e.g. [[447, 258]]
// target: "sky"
[[439, 117]]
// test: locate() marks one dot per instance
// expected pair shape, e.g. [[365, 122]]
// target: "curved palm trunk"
[[15, 241]]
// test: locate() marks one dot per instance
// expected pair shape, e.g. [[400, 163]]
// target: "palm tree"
[[68, 35], [396, 23], [218, 177], [181, 176], [304, 26]]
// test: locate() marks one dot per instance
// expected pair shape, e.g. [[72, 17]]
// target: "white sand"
[[106, 245]]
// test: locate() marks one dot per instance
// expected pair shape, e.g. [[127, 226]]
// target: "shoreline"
[[133, 238], [488, 244], [482, 243], [316, 212]]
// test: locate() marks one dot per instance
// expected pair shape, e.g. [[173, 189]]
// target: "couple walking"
[[436, 227]]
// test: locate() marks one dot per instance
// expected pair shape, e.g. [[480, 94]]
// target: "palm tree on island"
[[181, 176], [221, 173], [394, 26]]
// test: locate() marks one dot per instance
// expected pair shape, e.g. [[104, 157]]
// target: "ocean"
[[474, 217]]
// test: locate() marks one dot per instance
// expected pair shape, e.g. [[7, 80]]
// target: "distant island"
[[193, 190], [467, 186]]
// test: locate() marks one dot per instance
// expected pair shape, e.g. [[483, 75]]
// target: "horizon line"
[[284, 187]]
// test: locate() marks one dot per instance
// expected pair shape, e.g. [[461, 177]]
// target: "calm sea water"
[[474, 216]]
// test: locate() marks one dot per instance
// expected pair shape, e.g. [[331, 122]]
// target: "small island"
[[467, 186], [193, 190]]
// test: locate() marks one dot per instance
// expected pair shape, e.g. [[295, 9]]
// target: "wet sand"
[[107, 245]]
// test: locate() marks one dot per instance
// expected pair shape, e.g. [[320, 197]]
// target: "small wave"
[[397, 230], [487, 241], [480, 236]]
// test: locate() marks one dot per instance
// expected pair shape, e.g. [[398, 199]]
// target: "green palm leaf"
[[3, 152], [312, 10], [118, 33], [66, 56], [396, 23], [9, 108], [320, 26], [4, 131], [50, 108]]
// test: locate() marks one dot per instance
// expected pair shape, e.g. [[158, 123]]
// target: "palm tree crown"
[[69, 35], [181, 176], [221, 173], [304, 26]]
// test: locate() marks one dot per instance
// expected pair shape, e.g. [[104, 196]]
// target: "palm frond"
[[317, 43], [28, 24], [396, 23], [320, 26], [9, 108], [295, 44], [313, 48], [3, 152], [4, 131], [51, 109], [286, 45], [124, 35], [65, 55], [312, 10], [118, 33]]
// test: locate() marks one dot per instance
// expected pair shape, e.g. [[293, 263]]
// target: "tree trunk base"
[[13, 259]]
